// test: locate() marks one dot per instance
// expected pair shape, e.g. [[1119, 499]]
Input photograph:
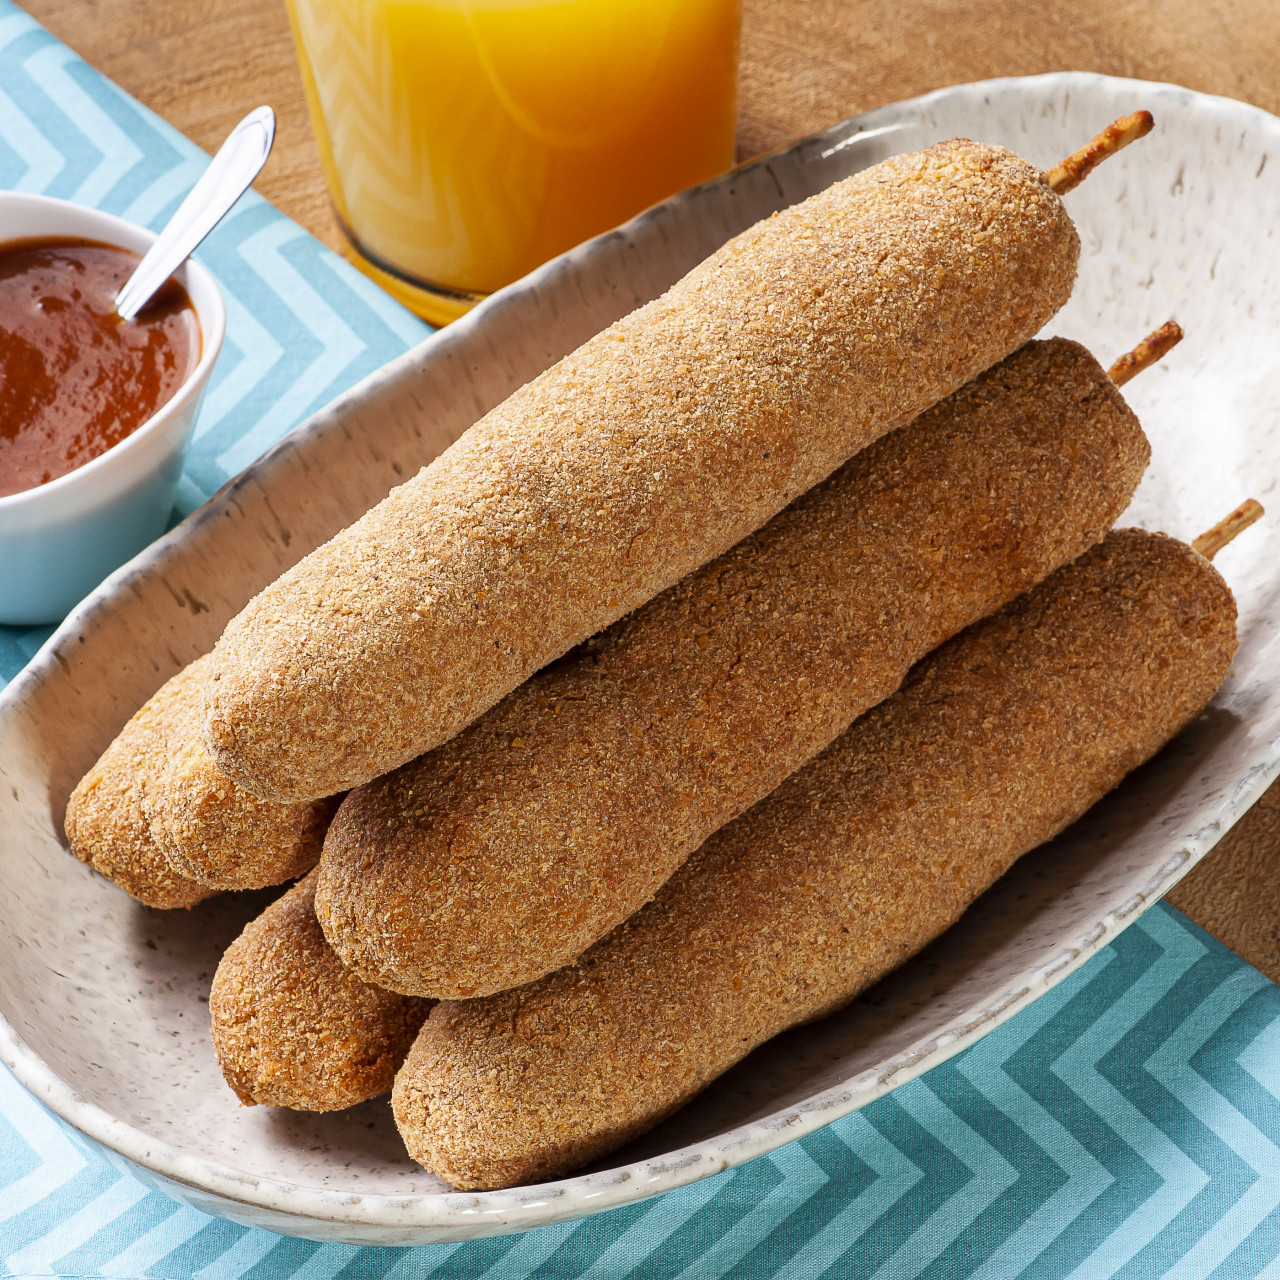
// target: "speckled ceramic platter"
[[104, 1002]]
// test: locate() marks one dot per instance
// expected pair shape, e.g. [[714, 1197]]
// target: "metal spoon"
[[238, 162]]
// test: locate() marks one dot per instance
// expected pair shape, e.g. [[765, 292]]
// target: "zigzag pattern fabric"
[[302, 324], [1127, 1124]]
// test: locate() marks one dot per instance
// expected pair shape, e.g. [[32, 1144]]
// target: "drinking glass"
[[465, 142]]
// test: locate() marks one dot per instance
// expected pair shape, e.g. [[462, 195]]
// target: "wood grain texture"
[[805, 64]]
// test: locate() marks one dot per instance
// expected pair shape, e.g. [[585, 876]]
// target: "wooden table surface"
[[805, 64]]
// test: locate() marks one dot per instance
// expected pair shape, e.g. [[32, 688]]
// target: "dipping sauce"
[[75, 379]]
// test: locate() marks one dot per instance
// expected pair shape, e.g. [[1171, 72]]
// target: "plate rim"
[[439, 1217]]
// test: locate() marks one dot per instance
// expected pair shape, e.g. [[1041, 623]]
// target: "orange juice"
[[467, 141]]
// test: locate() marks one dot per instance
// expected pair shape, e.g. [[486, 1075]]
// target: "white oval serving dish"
[[59, 540], [103, 1001]]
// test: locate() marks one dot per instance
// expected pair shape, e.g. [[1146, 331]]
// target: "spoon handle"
[[237, 163]]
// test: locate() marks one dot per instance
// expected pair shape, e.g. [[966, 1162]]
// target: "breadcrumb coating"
[[106, 822], [214, 831], [292, 1028], [650, 450], [158, 813], [507, 852], [996, 742]]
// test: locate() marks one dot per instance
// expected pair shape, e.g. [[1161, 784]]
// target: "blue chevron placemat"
[[302, 324], [1126, 1124]]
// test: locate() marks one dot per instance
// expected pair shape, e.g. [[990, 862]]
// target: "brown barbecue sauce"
[[74, 378]]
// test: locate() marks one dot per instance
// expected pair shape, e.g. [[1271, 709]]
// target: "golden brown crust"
[[996, 742], [106, 822], [212, 830], [292, 1028], [504, 854], [651, 449]]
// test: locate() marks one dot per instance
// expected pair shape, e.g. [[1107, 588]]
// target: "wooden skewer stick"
[[1152, 348], [1209, 543], [1072, 171]]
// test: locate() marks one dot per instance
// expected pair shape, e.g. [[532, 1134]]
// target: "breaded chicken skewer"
[[650, 450], [1001, 432], [504, 854], [996, 742], [292, 1027], [155, 815], [107, 823]]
